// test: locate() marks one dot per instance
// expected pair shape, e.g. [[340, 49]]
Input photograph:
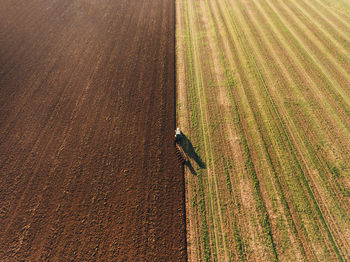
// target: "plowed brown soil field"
[[87, 113]]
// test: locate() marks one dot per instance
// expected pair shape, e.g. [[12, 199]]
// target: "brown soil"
[[87, 113]]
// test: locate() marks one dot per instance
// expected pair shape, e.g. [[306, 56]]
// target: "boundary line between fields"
[[174, 125]]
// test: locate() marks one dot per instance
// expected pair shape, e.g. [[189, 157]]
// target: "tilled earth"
[[87, 162]]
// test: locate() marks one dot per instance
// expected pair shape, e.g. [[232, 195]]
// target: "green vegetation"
[[265, 102]]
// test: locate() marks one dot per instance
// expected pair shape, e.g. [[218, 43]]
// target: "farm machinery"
[[180, 153]]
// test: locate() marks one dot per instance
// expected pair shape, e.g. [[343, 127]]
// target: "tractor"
[[180, 153]]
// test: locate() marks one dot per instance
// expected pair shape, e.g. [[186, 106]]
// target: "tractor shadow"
[[188, 148]]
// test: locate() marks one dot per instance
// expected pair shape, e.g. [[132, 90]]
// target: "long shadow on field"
[[188, 148], [190, 167]]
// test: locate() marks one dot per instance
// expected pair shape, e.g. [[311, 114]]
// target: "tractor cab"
[[178, 134]]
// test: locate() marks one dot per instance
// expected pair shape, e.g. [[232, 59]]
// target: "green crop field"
[[263, 97]]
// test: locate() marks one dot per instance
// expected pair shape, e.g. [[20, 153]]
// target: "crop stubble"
[[87, 163], [286, 74]]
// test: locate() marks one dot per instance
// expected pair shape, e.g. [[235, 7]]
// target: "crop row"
[[269, 115]]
